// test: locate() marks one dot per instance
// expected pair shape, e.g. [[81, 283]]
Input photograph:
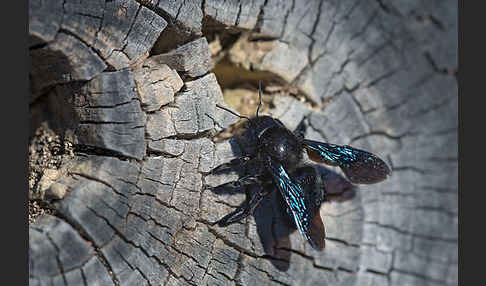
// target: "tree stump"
[[124, 94]]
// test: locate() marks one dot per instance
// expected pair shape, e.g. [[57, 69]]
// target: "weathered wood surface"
[[379, 76]]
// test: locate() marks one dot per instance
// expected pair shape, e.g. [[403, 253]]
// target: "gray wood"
[[112, 119], [185, 14], [192, 59], [137, 210], [156, 84], [239, 14], [62, 52], [44, 21]]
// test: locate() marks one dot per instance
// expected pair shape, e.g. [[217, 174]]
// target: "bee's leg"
[[238, 184], [246, 209], [240, 161]]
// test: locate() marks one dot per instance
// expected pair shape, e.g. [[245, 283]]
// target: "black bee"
[[277, 160]]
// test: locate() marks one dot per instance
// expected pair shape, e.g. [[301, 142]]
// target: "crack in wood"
[[447, 212], [413, 234], [133, 268], [440, 190], [362, 32], [380, 133], [385, 75], [98, 180], [260, 17], [420, 276], [271, 277], [285, 19], [96, 248], [126, 240], [87, 150], [58, 260], [97, 53]]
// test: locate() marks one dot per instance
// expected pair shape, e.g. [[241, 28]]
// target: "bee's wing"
[[317, 231], [310, 227], [359, 166]]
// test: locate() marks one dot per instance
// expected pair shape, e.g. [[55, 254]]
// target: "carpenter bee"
[[277, 163]]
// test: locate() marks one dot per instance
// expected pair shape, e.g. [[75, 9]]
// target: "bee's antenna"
[[259, 97], [232, 112]]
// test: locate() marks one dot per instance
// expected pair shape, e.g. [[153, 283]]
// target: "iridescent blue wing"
[[360, 167], [311, 227]]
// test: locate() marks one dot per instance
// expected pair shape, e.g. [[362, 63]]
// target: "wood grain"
[[376, 75]]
